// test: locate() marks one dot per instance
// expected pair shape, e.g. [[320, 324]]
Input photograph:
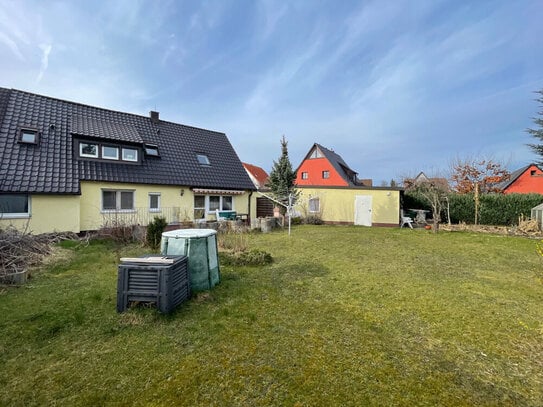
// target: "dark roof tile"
[[52, 167]]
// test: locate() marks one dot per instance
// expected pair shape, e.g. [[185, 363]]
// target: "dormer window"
[[29, 136], [110, 153], [203, 159], [130, 154], [89, 150], [151, 150]]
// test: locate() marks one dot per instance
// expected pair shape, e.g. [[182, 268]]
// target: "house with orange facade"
[[526, 180], [331, 190]]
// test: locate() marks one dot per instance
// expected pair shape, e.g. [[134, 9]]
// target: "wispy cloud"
[[12, 45], [46, 50]]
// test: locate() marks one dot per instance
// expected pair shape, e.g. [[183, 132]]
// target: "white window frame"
[[107, 157], [318, 204], [118, 194], [159, 207], [221, 203], [325, 174], [207, 207], [305, 175], [82, 154], [126, 149], [18, 215]]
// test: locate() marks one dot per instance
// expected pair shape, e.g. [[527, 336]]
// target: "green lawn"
[[344, 316]]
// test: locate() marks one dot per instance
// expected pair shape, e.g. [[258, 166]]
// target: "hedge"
[[494, 209]]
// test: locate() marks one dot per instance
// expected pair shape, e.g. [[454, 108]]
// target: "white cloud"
[[8, 42], [46, 50]]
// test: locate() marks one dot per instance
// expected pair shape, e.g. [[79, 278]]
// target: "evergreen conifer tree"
[[282, 176], [538, 131]]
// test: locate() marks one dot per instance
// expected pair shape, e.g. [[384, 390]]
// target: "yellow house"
[[65, 166], [331, 190], [365, 206]]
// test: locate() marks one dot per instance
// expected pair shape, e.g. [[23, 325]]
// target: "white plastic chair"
[[406, 220]]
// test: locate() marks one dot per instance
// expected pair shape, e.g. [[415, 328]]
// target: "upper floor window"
[[532, 172], [326, 174], [88, 150], [151, 149], [110, 153], [305, 175], [130, 154], [203, 159], [14, 206], [316, 153], [29, 136]]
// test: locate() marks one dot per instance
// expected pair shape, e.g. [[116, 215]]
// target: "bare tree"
[[436, 196]]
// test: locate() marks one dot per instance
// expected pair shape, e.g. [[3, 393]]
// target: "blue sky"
[[394, 87]]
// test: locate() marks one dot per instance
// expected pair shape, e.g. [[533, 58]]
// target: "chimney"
[[154, 116]]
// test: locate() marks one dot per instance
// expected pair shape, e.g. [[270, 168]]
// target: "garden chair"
[[406, 220]]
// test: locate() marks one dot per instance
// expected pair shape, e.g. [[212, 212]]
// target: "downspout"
[[249, 208]]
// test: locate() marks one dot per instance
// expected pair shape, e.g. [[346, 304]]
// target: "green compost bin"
[[200, 246]]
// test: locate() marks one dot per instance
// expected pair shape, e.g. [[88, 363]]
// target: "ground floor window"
[[117, 200], [211, 203], [14, 205], [199, 207], [154, 202], [314, 205]]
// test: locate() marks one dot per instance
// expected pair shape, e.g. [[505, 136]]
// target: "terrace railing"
[[142, 216]]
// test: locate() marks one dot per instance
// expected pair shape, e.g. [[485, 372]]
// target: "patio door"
[[362, 210]]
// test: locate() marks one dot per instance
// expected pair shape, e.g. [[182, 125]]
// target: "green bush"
[[494, 209], [155, 230], [462, 208]]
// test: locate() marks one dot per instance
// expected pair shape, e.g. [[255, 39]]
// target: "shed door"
[[362, 210]]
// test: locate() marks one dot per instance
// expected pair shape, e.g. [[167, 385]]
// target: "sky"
[[394, 87]]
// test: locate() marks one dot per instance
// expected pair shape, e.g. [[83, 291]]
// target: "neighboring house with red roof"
[[526, 180], [322, 166], [330, 189], [257, 174]]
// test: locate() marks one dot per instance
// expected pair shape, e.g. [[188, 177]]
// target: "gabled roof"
[[440, 182], [348, 174], [51, 166], [502, 186], [258, 175]]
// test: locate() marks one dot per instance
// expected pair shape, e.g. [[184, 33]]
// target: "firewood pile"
[[19, 251], [526, 227], [529, 227]]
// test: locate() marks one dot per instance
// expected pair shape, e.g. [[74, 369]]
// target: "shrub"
[[155, 230], [313, 220], [494, 209]]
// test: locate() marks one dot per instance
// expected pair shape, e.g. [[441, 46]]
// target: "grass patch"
[[343, 316]]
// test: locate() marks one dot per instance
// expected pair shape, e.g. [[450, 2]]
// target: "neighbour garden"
[[342, 316]]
